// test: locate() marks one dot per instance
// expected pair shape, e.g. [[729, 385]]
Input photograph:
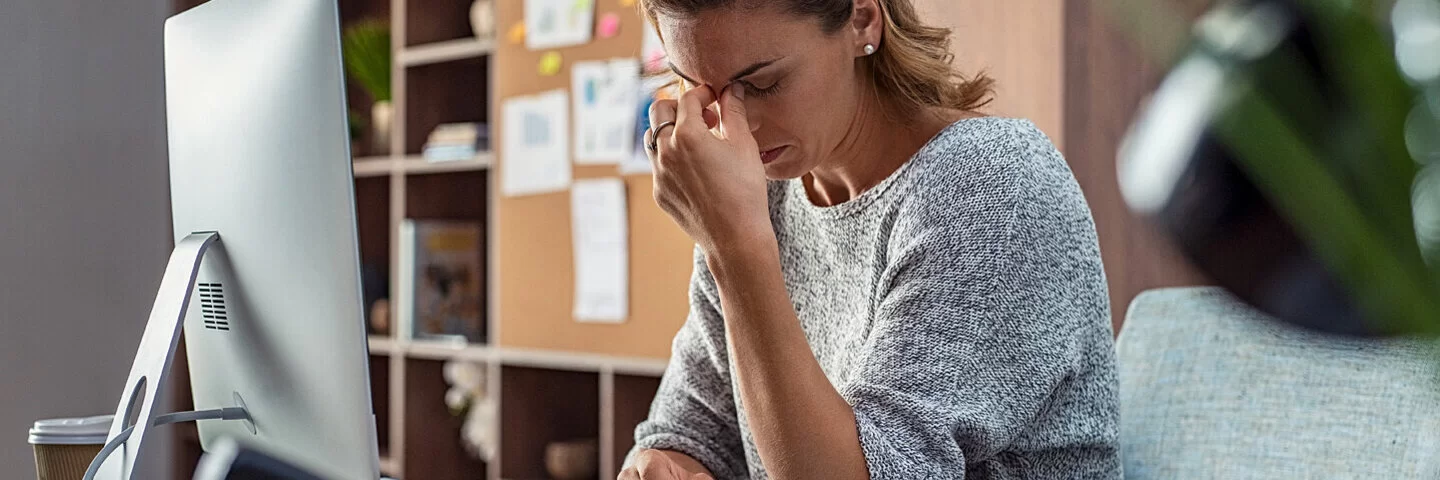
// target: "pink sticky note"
[[609, 25]]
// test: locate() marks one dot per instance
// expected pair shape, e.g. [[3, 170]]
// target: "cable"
[[228, 413]]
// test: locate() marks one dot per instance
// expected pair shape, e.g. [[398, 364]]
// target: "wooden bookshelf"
[[440, 74]]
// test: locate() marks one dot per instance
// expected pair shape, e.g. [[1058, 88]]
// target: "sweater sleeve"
[[979, 328], [694, 409]]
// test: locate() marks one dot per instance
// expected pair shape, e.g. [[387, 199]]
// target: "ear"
[[867, 23]]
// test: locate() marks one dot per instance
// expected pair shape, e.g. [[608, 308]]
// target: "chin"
[[787, 167]]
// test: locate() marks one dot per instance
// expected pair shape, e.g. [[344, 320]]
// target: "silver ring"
[[654, 144]]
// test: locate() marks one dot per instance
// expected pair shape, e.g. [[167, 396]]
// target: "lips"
[[770, 155]]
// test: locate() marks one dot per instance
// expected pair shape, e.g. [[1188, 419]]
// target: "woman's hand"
[[663, 465], [708, 173]]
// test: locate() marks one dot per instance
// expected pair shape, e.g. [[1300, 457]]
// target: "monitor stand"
[[151, 368]]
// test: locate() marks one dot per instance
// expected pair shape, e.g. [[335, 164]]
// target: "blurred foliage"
[[1336, 136], [367, 57]]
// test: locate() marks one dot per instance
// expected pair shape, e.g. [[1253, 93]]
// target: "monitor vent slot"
[[212, 306]]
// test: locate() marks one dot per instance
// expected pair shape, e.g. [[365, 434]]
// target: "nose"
[[754, 116]]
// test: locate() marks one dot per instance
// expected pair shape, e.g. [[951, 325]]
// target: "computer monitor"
[[259, 154]]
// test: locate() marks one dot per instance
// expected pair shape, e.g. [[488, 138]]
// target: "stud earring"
[[869, 49]]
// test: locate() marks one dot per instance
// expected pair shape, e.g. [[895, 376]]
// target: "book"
[[456, 141], [441, 281]]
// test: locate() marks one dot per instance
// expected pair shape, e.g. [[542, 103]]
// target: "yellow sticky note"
[[517, 33], [550, 63], [627, 3]]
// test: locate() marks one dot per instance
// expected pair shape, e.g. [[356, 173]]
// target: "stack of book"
[[456, 141]]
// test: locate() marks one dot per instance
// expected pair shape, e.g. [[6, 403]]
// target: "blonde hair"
[[912, 66]]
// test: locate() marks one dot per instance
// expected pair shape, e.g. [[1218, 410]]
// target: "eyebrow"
[[747, 71]]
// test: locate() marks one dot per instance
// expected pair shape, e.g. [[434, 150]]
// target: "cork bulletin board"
[[534, 257]]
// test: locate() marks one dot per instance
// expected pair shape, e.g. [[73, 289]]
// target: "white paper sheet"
[[535, 153], [638, 162], [558, 23], [605, 95], [601, 241]]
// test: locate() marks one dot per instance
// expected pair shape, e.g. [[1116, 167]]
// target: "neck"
[[872, 148]]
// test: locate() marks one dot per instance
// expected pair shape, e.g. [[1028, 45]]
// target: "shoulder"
[[987, 161], [983, 182]]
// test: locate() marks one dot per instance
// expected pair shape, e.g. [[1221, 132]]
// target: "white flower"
[[480, 428]]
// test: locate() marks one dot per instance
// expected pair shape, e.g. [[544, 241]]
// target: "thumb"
[[702, 476], [732, 112]]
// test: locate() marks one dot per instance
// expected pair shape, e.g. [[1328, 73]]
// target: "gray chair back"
[[1210, 388]]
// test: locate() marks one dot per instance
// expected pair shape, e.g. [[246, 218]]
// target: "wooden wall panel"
[[1106, 78], [1016, 42]]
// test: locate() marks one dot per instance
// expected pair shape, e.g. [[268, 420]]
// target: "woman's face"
[[802, 93]]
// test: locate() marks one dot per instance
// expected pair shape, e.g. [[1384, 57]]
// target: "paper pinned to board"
[[558, 23], [638, 162], [606, 93], [599, 223], [535, 153]]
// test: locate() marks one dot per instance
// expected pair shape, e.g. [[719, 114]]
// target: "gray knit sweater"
[[959, 306]]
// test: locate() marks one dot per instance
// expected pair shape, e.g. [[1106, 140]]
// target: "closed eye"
[[758, 92]]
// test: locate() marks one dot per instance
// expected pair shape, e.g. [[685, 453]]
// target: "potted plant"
[[367, 53]]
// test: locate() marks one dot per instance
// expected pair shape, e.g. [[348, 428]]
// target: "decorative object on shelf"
[[517, 33], [550, 63], [482, 19], [440, 280], [451, 142], [609, 25], [382, 121], [469, 398], [572, 460], [380, 317], [367, 61]]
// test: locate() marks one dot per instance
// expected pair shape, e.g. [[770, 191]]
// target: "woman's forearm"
[[803, 428]]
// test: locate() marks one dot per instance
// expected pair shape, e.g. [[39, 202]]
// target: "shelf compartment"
[[380, 399], [633, 395], [449, 92], [540, 406], [372, 221], [433, 447], [439, 21]]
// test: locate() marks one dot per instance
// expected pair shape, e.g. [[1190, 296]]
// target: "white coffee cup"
[[64, 447]]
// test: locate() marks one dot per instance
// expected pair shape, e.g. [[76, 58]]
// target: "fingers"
[[733, 122], [629, 474], [661, 112], [650, 464], [692, 105], [712, 118]]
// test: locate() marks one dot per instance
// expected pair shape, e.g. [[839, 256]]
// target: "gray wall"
[[84, 208]]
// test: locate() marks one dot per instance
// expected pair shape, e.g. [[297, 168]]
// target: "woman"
[[916, 292]]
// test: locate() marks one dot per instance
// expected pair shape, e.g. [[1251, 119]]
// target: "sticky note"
[[517, 33], [627, 3], [609, 25], [550, 63]]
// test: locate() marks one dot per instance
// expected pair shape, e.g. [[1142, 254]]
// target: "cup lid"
[[71, 431]]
